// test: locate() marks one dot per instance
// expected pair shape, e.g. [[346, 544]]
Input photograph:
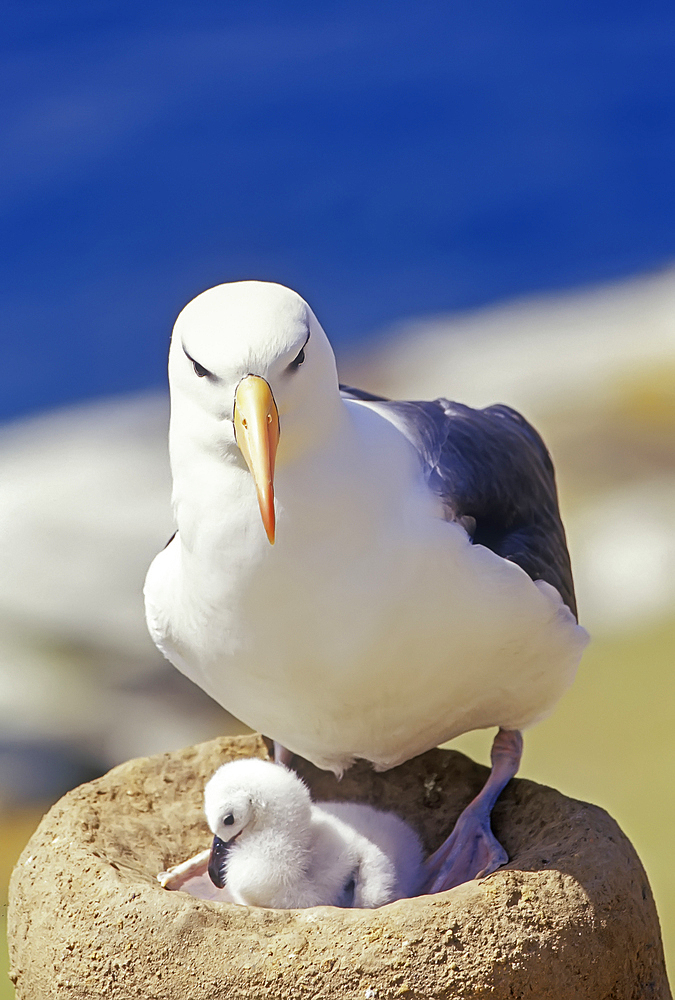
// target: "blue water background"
[[385, 159]]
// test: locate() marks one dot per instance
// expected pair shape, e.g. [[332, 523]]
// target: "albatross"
[[352, 576]]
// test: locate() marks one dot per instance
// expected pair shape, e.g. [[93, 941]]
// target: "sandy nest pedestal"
[[571, 916]]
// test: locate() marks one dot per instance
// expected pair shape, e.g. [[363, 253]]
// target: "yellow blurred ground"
[[15, 829]]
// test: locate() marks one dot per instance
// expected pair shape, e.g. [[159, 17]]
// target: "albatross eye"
[[199, 369], [296, 362], [228, 820]]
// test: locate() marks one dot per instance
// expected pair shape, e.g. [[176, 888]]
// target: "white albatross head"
[[252, 372], [252, 795]]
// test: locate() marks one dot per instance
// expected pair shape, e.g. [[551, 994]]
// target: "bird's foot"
[[192, 876], [471, 851], [173, 878]]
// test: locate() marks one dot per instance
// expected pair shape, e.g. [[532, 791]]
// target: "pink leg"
[[472, 850], [282, 755]]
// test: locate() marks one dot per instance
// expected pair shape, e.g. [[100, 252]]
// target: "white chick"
[[274, 847]]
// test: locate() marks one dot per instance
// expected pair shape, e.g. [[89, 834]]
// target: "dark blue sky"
[[385, 159]]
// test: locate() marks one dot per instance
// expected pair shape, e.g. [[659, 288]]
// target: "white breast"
[[373, 628]]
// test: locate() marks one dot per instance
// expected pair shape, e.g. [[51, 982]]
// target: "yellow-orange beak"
[[256, 430]]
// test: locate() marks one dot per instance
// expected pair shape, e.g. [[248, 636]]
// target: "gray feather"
[[493, 474]]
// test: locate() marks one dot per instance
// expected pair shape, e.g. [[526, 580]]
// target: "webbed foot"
[[472, 850]]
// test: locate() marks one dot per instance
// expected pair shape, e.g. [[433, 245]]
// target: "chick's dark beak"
[[216, 869]]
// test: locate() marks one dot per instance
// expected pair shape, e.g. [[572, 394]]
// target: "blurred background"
[[477, 199]]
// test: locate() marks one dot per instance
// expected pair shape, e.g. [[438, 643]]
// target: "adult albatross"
[[356, 577]]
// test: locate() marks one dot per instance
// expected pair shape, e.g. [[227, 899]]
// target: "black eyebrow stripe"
[[292, 366], [190, 358], [305, 343]]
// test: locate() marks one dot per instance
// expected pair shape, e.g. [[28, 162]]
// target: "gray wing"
[[491, 467]]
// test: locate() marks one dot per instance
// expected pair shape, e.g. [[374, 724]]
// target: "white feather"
[[287, 852]]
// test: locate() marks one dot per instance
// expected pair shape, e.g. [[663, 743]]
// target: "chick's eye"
[[228, 820], [199, 369], [297, 361]]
